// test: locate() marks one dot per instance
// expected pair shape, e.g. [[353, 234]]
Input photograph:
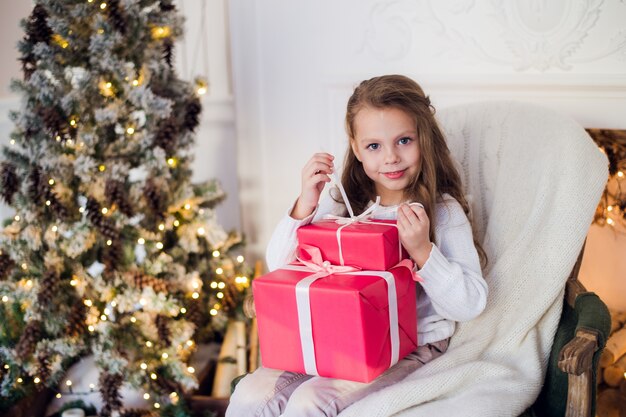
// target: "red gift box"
[[349, 321], [372, 245]]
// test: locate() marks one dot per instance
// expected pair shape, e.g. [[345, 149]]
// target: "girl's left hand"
[[413, 228]]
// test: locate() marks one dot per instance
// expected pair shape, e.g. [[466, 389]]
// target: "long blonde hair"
[[438, 175]]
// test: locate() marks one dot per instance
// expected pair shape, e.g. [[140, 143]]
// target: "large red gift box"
[[370, 245], [349, 319]]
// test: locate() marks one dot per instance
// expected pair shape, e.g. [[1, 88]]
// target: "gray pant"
[[272, 393]]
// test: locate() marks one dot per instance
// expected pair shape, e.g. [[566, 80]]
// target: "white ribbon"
[[303, 303], [352, 219]]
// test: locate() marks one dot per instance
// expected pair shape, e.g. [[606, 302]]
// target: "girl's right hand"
[[315, 175]]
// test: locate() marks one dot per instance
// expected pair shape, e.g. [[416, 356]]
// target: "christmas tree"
[[112, 250]]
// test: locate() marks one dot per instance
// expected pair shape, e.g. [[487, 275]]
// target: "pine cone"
[[29, 339], [36, 189], [168, 52], [140, 280], [166, 135], [6, 265], [113, 255], [192, 114], [110, 391], [229, 301], [55, 205], [94, 214], [164, 332], [156, 200], [117, 194], [54, 122], [37, 29], [10, 182], [116, 16], [76, 320], [195, 313], [47, 290], [43, 368], [167, 5], [166, 386]]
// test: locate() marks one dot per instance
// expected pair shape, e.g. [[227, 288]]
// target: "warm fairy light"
[[36, 380], [20, 380], [201, 231], [88, 302], [4, 300], [183, 310], [133, 319], [107, 311], [195, 295], [191, 370], [51, 181], [165, 355], [60, 40], [48, 202], [6, 366], [135, 83], [73, 122], [73, 282], [29, 283], [157, 405], [69, 142], [102, 168], [143, 301], [161, 227], [109, 242], [176, 223], [159, 245], [55, 228], [609, 221], [187, 206], [24, 266], [160, 32], [82, 209], [620, 174], [201, 211], [103, 6], [105, 210], [68, 383], [213, 312], [146, 396], [141, 241], [17, 218], [58, 138], [91, 328], [202, 86], [12, 141], [609, 208], [221, 285], [149, 344], [153, 375], [130, 130], [171, 162], [214, 285], [113, 303], [189, 343], [216, 254], [58, 395], [240, 259], [92, 386], [219, 271], [220, 295], [103, 317], [143, 366]]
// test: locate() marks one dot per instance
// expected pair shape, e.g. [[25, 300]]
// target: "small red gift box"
[[349, 324], [372, 245]]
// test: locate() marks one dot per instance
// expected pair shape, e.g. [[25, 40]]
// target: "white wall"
[[203, 52], [296, 62]]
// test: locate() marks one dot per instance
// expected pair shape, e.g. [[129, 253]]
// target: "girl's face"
[[386, 144]]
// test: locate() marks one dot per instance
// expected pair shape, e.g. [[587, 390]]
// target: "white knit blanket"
[[534, 178]]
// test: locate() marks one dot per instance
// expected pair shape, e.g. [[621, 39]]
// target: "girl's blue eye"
[[404, 140], [373, 146]]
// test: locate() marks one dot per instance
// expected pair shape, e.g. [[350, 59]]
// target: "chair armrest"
[[576, 359]]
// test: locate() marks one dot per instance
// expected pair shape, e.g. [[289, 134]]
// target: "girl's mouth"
[[394, 175]]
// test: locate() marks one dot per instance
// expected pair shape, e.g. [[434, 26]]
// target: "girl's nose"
[[392, 156]]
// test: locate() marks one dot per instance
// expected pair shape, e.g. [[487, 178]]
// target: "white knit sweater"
[[453, 286]]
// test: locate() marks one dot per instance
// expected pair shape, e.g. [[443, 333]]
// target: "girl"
[[398, 152]]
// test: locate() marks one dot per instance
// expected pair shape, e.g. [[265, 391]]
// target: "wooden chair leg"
[[579, 391]]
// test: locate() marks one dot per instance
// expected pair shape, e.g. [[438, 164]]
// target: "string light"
[[36, 380], [165, 355], [103, 6], [161, 32], [105, 210], [195, 295], [102, 168], [157, 405], [219, 271], [187, 206], [240, 259], [141, 241], [130, 130], [161, 227], [176, 223], [88, 302], [153, 375], [213, 312], [159, 245], [58, 395], [106, 88], [4, 300], [149, 344], [216, 254], [191, 370], [183, 310], [171, 162], [201, 231], [202, 86], [221, 285]]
